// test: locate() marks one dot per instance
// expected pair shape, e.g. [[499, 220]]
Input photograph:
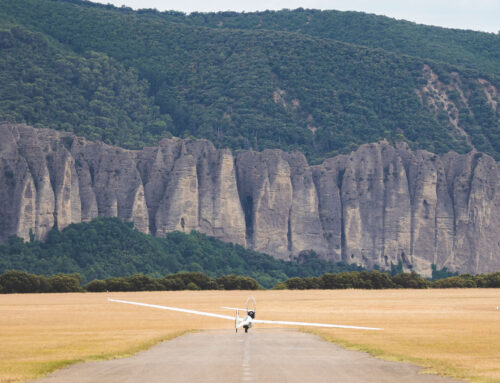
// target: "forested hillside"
[[107, 247], [454, 46], [90, 94], [307, 85]]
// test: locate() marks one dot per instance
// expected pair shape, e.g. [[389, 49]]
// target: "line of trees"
[[174, 282], [14, 281], [378, 280]]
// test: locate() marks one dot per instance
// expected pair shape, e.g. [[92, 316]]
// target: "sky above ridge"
[[480, 15]]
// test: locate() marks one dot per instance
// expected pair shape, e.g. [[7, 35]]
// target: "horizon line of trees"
[[15, 281], [376, 280]]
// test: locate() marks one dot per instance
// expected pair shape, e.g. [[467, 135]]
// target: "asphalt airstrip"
[[262, 355]]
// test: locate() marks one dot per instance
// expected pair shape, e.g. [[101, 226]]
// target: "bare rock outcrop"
[[280, 202], [376, 206]]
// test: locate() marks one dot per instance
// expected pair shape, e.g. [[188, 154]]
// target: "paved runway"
[[259, 356]]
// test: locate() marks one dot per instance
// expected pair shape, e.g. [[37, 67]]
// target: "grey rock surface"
[[376, 206]]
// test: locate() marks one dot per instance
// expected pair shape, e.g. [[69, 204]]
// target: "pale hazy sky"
[[483, 15]]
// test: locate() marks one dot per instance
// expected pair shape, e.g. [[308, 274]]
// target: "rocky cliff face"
[[378, 205]]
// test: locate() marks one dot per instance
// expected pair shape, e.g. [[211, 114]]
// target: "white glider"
[[247, 321]]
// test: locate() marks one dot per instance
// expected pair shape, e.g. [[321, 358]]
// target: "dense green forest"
[[91, 95], [107, 247], [471, 49], [319, 82]]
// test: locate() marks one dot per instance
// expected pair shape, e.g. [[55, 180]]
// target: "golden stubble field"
[[454, 332]]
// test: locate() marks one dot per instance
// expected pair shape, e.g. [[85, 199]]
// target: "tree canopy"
[[107, 247], [319, 82]]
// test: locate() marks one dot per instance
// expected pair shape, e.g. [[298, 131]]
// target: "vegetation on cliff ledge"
[[107, 254], [107, 247]]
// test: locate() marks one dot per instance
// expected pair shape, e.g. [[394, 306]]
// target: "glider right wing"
[[313, 324]]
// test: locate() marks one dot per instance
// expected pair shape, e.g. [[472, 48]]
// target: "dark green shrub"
[[172, 283], [375, 280], [14, 281], [410, 281], [201, 280], [296, 284], [65, 283], [118, 284], [141, 282], [454, 282], [237, 282], [96, 286], [192, 286], [488, 280]]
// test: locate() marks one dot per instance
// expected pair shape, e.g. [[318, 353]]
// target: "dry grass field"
[[452, 332]]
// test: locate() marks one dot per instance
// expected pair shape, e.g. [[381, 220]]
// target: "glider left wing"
[[174, 309]]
